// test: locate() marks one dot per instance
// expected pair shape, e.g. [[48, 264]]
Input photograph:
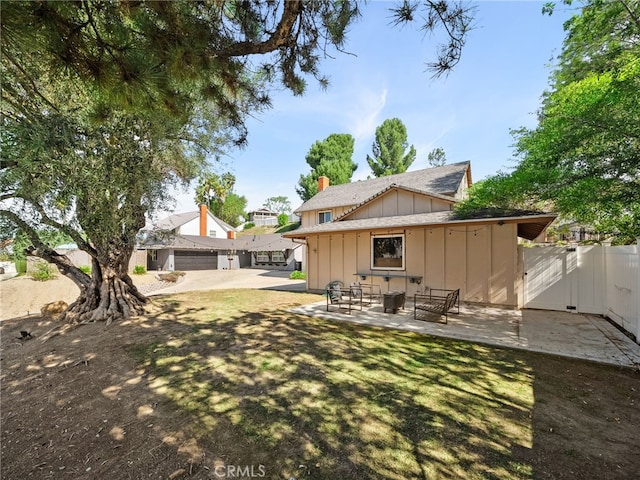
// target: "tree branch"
[[45, 252], [281, 37]]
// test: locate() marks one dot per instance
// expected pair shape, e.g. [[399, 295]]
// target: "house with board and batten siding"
[[401, 232]]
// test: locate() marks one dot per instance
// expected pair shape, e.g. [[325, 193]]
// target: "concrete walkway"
[[587, 337]]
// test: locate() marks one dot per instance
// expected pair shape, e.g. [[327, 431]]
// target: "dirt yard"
[[80, 406], [23, 296]]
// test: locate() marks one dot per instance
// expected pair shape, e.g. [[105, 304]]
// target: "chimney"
[[323, 182], [203, 220], [231, 234]]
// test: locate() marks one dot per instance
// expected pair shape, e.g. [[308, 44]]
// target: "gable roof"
[[395, 187], [177, 220], [250, 243], [443, 180], [530, 224]]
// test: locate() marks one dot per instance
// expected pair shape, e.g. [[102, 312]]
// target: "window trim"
[[403, 253], [324, 212]]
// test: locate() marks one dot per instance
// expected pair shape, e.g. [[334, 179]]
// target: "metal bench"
[[437, 301]]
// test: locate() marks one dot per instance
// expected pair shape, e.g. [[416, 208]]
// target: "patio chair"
[[343, 298], [438, 301]]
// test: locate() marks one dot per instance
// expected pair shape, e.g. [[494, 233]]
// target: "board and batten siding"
[[399, 202], [389, 204], [480, 260]]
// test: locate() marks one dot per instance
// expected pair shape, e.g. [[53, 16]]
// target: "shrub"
[[249, 225], [283, 219], [43, 271], [298, 275], [21, 266], [139, 270], [85, 269], [171, 276]]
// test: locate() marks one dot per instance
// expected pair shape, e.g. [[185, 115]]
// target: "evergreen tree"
[[437, 158], [331, 158], [389, 149]]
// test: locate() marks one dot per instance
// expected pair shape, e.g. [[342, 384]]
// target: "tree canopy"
[[583, 158], [437, 157], [332, 158], [279, 204], [390, 155], [216, 191]]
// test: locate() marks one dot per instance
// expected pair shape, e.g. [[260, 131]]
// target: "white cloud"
[[364, 113]]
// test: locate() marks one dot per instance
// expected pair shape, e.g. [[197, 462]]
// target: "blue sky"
[[496, 87]]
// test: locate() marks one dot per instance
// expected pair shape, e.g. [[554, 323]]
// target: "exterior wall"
[[392, 203], [262, 218], [290, 262], [463, 190], [399, 202], [193, 228], [311, 217], [480, 260]]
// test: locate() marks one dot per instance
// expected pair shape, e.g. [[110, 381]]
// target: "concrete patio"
[[587, 337]]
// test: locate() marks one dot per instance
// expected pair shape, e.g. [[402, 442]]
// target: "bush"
[[283, 219], [139, 270], [249, 225], [85, 269], [44, 271], [297, 275], [171, 276], [21, 266]]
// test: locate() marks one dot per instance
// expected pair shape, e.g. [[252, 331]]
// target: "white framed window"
[[212, 233], [324, 217], [262, 257], [277, 256], [153, 255], [387, 252]]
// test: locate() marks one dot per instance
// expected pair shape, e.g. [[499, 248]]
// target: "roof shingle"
[[443, 180]]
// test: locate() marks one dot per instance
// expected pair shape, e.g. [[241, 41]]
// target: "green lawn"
[[308, 398]]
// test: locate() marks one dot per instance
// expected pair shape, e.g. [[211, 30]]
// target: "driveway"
[[239, 278], [587, 337]]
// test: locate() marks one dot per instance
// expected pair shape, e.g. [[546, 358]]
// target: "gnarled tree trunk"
[[110, 295], [107, 295]]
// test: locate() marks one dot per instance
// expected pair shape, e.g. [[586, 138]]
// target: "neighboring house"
[[175, 250], [402, 233], [263, 217], [200, 222]]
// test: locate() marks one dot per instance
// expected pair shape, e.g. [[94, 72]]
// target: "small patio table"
[[393, 301]]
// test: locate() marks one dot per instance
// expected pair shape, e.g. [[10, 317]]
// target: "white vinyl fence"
[[604, 280]]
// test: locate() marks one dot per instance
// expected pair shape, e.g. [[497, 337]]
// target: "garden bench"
[[437, 301]]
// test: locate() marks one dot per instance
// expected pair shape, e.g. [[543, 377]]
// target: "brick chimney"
[[231, 234], [323, 182], [203, 220]]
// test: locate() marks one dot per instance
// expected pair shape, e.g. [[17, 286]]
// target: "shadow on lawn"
[[306, 398]]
